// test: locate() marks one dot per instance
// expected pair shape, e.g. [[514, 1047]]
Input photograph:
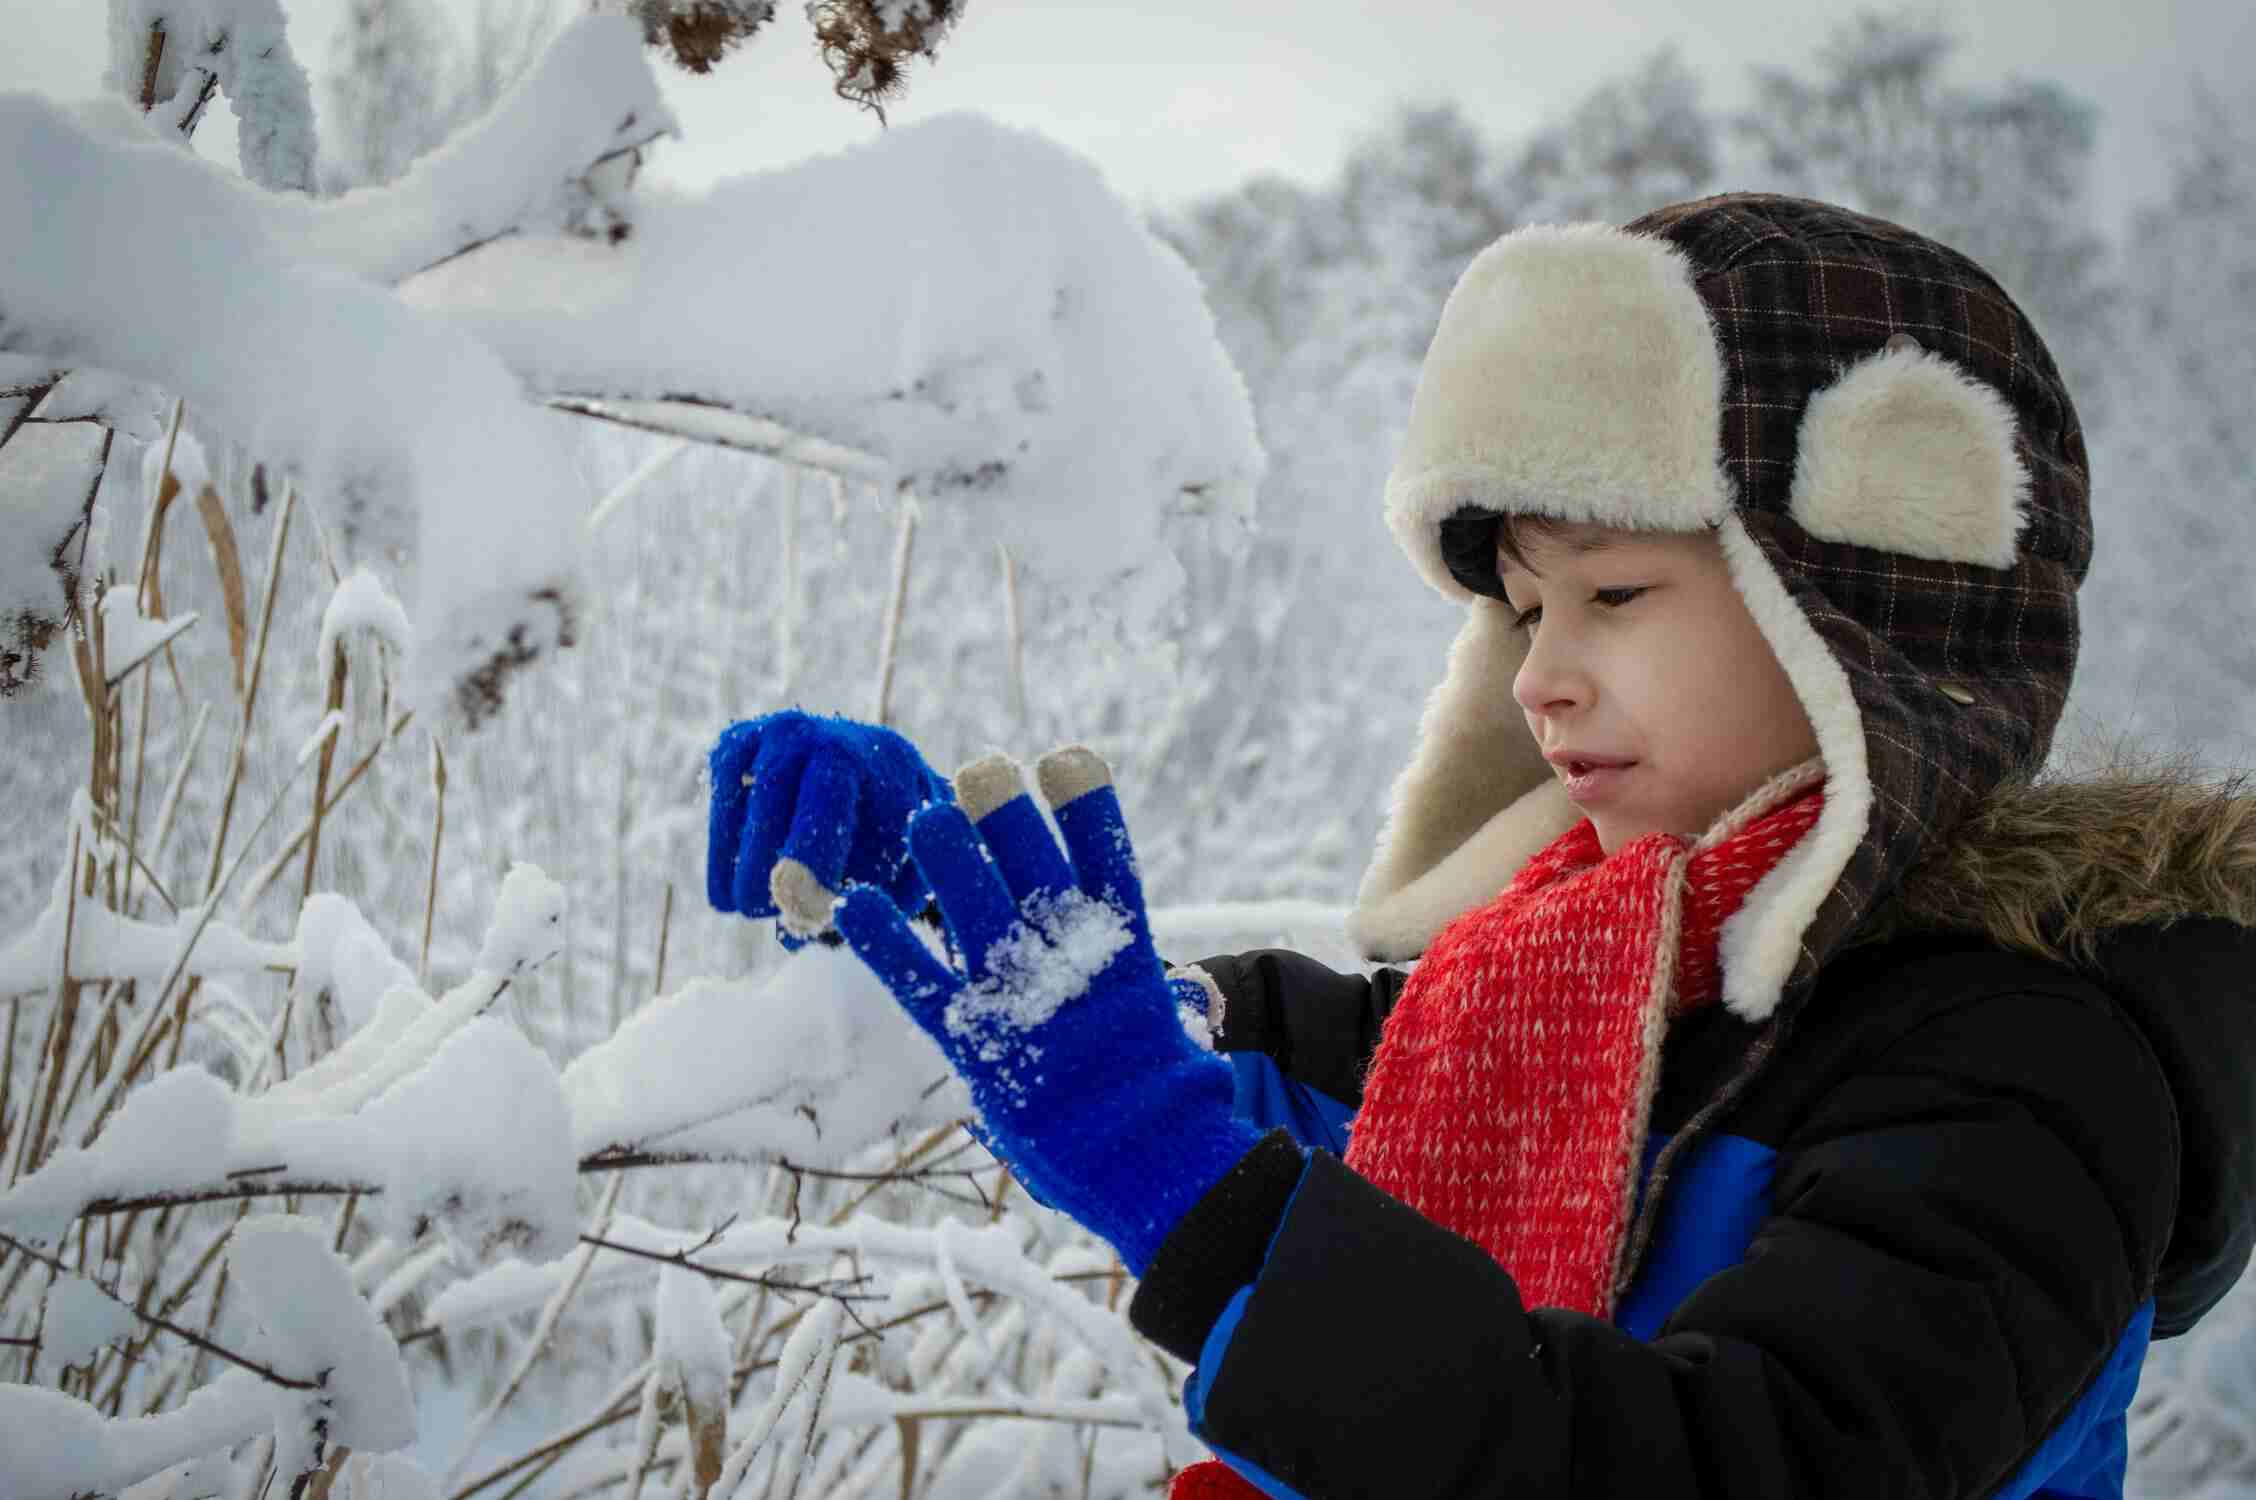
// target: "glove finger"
[[767, 817], [823, 818], [730, 758], [992, 792], [1194, 1007], [973, 900], [880, 937], [1078, 785]]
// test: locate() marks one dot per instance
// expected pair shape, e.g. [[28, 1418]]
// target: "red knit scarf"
[[1510, 1092]]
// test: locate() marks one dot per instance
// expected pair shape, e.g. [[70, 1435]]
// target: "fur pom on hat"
[[1894, 469]]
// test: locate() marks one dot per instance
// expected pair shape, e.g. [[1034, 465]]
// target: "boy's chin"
[[1617, 831]]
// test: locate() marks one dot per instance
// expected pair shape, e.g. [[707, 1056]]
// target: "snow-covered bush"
[[267, 1190]]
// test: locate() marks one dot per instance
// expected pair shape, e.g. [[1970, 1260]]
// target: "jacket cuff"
[[1239, 1014], [1216, 1248]]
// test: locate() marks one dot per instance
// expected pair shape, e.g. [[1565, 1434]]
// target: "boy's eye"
[[1612, 598]]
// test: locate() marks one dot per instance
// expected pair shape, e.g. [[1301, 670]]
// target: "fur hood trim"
[[2050, 866]]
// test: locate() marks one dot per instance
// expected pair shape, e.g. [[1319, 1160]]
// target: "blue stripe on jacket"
[[1718, 1197]]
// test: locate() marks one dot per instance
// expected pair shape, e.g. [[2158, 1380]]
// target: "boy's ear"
[[1907, 453]]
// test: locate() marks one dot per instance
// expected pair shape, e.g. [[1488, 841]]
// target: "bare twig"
[[215, 1350], [140, 1052], [250, 694], [623, 1408], [150, 60], [546, 1330], [1015, 626], [904, 538], [171, 804], [328, 755], [282, 856], [57, 1045], [438, 835], [681, 1258], [145, 595]]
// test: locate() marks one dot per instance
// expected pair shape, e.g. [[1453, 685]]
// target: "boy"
[[1791, 1096]]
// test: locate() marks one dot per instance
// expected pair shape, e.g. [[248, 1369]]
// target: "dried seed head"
[[699, 32], [867, 43], [478, 695]]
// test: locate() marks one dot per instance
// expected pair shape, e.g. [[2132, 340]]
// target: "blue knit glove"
[[802, 807], [1054, 1009]]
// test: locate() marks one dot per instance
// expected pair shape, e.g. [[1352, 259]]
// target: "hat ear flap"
[[1907, 453]]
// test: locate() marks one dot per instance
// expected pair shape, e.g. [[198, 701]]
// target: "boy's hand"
[[802, 807], [1055, 1009]]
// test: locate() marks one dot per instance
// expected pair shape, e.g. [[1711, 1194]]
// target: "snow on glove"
[[1055, 1009], [803, 806]]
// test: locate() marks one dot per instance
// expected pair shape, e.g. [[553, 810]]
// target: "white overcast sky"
[[1173, 98]]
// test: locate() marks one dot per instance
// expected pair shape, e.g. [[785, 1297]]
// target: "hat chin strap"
[[1761, 942]]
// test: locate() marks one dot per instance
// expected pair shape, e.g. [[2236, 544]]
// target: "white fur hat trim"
[[1761, 941], [1907, 453], [1574, 373]]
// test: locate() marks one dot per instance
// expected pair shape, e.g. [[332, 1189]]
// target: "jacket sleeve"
[[1960, 1234], [1319, 1026]]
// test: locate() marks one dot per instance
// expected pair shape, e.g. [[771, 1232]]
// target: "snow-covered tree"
[[2174, 464], [381, 104], [1999, 170]]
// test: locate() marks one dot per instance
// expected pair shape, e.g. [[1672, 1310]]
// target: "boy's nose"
[[1546, 684]]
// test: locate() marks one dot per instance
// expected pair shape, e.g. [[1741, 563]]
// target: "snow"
[[384, 1476], [994, 298], [475, 1142], [371, 404], [522, 167], [80, 1319], [314, 1326], [213, 1474], [527, 922], [45, 473], [244, 44], [453, 1119], [189, 465], [812, 1063], [132, 409], [361, 602], [1035, 970], [130, 637], [692, 1351], [802, 1381], [57, 1447], [107, 945], [337, 953], [524, 164], [331, 722], [690, 1336], [1192, 931], [992, 1256]]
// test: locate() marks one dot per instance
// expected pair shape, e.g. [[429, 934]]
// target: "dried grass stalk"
[[229, 561]]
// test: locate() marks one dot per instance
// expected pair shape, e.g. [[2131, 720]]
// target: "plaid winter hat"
[[1894, 469]]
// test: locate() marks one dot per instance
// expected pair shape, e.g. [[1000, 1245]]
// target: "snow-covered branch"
[[951, 309]]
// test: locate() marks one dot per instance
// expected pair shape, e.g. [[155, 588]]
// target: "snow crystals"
[[1035, 970]]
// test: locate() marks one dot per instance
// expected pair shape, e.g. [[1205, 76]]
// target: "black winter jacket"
[[1962, 1182]]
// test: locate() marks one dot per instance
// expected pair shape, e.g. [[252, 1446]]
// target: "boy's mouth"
[[1591, 780], [1578, 765]]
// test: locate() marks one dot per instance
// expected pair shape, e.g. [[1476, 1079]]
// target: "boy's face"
[[1644, 652]]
